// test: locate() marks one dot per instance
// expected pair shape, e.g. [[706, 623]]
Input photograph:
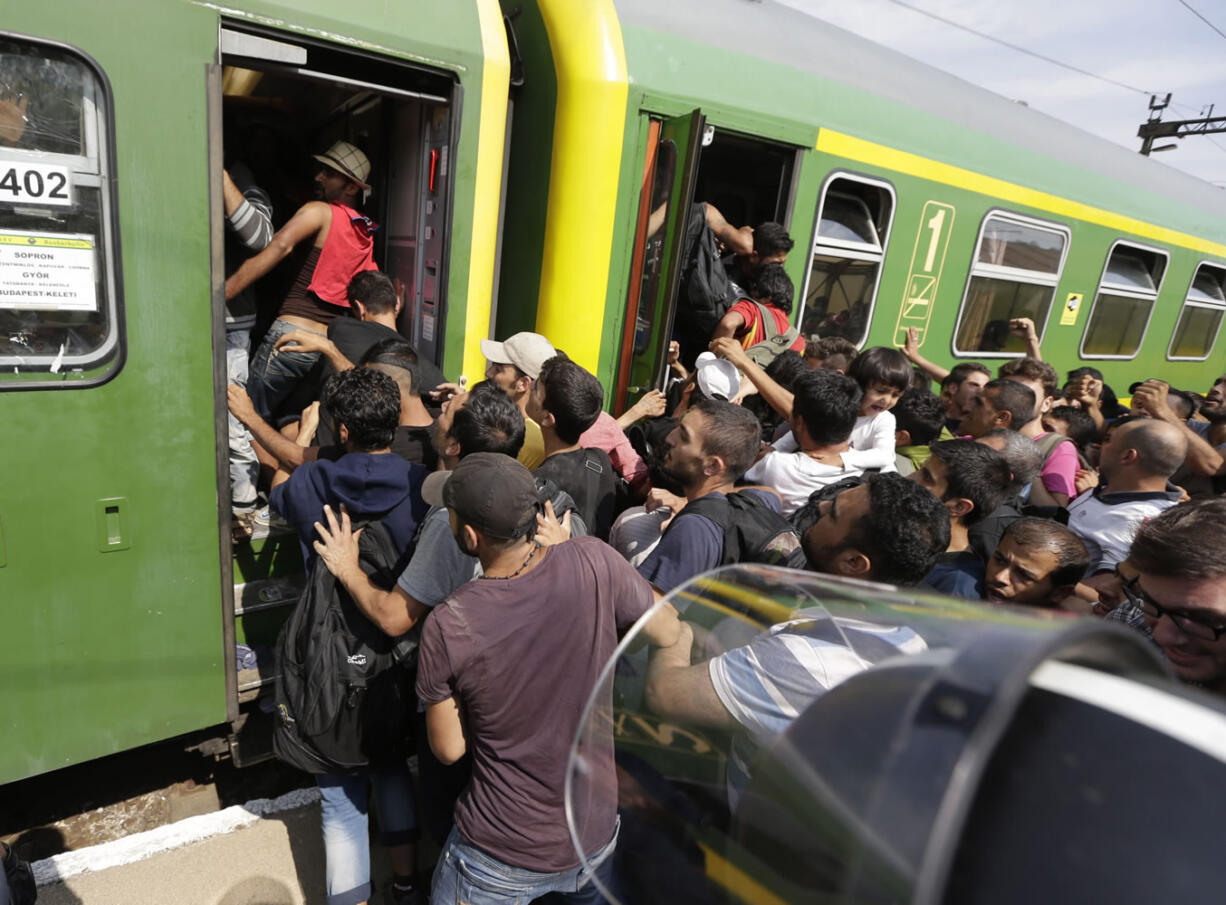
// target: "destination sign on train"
[[44, 271]]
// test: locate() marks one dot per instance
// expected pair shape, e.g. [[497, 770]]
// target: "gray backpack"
[[774, 343]]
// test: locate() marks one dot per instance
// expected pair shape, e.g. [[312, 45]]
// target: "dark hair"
[[395, 354], [1032, 369], [1085, 371], [732, 433], [1072, 557], [368, 404], [964, 370], [1081, 429], [974, 472], [881, 364], [921, 414], [374, 290], [920, 379], [827, 349], [905, 531], [489, 422], [1021, 454], [828, 403], [772, 286], [1015, 398], [572, 395], [783, 369], [1187, 541], [771, 238]]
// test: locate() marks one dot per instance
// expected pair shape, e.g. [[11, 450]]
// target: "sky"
[[1152, 45]]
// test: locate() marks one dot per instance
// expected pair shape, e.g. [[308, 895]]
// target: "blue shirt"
[[372, 486], [691, 545], [958, 575]]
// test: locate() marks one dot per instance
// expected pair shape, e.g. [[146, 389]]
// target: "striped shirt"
[[769, 682]]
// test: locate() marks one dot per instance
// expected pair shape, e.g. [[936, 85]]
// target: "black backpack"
[[753, 531], [345, 696], [707, 287]]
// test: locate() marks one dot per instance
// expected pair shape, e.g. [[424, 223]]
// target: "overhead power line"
[[1023, 50], [1188, 7]]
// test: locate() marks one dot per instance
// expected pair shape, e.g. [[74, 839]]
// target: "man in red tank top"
[[341, 246]]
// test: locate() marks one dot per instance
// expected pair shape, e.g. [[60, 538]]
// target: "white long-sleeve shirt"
[[872, 443]]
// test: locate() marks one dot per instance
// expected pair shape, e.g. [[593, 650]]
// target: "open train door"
[[670, 168]]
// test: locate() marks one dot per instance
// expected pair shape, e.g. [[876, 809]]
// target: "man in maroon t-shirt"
[[507, 665]]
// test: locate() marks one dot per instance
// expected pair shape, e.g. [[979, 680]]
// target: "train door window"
[[59, 307], [1016, 268], [1124, 302], [853, 225], [1201, 317], [286, 99]]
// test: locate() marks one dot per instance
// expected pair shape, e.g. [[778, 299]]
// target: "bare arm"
[[307, 222], [445, 729], [911, 350], [394, 611], [1024, 327], [738, 241], [1041, 496], [306, 341], [776, 397], [677, 690], [1202, 458], [286, 451], [728, 326], [651, 405]]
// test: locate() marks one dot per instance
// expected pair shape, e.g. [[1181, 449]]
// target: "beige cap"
[[527, 351], [348, 161]]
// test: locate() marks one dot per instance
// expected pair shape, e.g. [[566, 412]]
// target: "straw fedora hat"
[[348, 161]]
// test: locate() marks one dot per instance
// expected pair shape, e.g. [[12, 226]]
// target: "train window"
[[59, 308], [853, 225], [1124, 302], [1014, 274], [1197, 328]]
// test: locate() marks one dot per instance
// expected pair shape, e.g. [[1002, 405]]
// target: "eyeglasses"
[[1189, 625]]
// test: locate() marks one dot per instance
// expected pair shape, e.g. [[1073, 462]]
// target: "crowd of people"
[[535, 528]]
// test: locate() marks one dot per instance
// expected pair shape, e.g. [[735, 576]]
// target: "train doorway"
[[285, 100], [278, 100], [748, 179]]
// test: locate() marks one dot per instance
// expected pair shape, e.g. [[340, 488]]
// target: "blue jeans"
[[244, 466], [466, 875], [343, 806], [274, 375]]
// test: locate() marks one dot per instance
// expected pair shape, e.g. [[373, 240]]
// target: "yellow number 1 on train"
[[924, 275]]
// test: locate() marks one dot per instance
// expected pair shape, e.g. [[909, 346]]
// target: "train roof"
[[783, 36]]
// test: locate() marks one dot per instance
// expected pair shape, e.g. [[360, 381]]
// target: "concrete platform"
[[277, 859]]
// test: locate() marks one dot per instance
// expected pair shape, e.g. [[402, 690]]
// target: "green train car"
[[123, 598], [915, 199], [517, 153]]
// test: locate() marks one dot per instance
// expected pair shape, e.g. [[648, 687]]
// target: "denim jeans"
[[274, 375], [466, 875], [343, 807], [244, 466]]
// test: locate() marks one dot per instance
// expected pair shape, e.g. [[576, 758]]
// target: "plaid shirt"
[[1129, 614]]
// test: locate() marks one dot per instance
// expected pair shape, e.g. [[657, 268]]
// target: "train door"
[[748, 179], [280, 100], [655, 270]]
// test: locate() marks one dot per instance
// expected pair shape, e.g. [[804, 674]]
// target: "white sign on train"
[[35, 183], [47, 271]]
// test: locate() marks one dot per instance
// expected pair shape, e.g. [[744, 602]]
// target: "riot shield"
[[811, 739]]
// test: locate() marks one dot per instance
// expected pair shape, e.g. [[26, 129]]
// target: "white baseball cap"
[[527, 351], [718, 378]]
